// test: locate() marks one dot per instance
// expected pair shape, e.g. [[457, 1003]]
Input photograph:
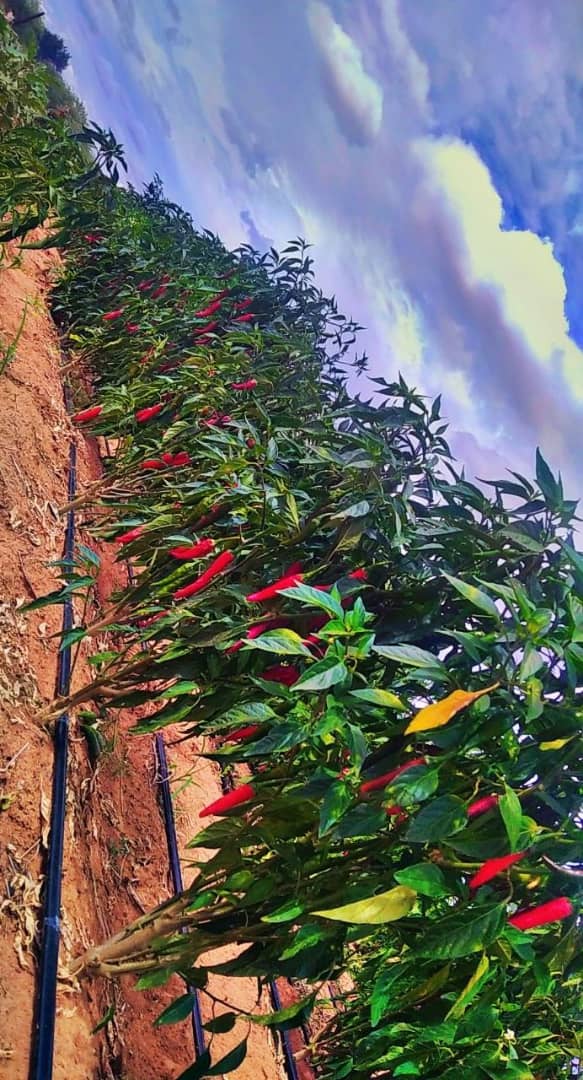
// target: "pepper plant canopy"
[[388, 655]]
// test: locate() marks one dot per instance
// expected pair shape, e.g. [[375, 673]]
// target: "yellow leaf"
[[555, 744], [428, 987], [382, 908], [441, 712], [470, 990]]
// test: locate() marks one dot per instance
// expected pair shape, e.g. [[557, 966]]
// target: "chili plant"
[[387, 657]]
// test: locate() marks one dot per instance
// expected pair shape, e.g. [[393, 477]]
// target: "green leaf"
[[320, 676], [363, 820], [105, 1020], [471, 989], [552, 489], [286, 913], [475, 596], [154, 978], [230, 1061], [281, 737], [382, 991], [383, 908], [416, 784], [247, 712], [439, 819], [425, 878], [356, 744], [59, 595], [309, 935], [376, 696], [336, 800], [359, 509], [175, 1012], [511, 811], [408, 654], [315, 598], [462, 933], [219, 1025], [282, 642], [71, 636], [180, 688], [89, 555], [202, 1067], [291, 1017]]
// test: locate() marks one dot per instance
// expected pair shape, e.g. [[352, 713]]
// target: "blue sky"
[[432, 152]]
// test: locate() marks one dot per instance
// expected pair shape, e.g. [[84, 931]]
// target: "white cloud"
[[516, 262], [413, 70], [355, 97]]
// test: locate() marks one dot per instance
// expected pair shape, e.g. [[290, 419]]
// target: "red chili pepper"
[[234, 647], [210, 310], [207, 519], [243, 733], [181, 458], [257, 630], [216, 567], [165, 279], [174, 460], [554, 910], [194, 551], [146, 414], [87, 414], [237, 797], [158, 292], [202, 331], [281, 673], [242, 304], [481, 806], [151, 464], [143, 285], [382, 781], [132, 327], [127, 537], [91, 238], [270, 591], [262, 627], [250, 443], [249, 384], [244, 318], [492, 867], [397, 812], [110, 315], [359, 575]]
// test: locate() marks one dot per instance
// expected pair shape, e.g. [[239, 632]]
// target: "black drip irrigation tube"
[[43, 1037], [290, 1063], [176, 872], [173, 856]]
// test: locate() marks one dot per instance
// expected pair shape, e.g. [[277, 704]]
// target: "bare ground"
[[116, 861]]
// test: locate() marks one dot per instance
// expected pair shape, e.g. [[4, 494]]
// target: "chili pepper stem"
[[131, 950]]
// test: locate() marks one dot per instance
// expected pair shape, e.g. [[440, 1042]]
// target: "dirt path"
[[115, 855]]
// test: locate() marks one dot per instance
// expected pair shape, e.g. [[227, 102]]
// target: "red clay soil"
[[116, 862]]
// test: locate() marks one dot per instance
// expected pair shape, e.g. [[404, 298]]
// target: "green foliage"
[[412, 584], [23, 83], [52, 49]]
